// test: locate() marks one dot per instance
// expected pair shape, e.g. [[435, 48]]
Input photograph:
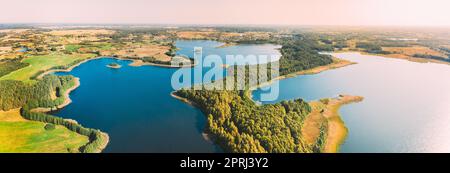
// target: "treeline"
[[138, 33], [9, 65], [60, 67], [371, 48], [427, 56], [301, 53], [154, 60], [237, 124], [16, 94], [173, 49], [96, 139]]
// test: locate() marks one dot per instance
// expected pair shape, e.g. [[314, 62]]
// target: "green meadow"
[[18, 135], [41, 63]]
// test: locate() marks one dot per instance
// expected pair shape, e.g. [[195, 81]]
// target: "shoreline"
[[67, 99], [409, 58], [134, 63], [139, 63], [102, 147], [227, 44], [205, 134], [185, 100], [338, 63], [40, 76], [337, 131]]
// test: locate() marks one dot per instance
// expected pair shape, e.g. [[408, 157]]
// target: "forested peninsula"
[[237, 124], [48, 93]]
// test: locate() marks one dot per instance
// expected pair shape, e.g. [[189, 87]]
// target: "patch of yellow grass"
[[405, 52], [312, 123], [195, 34], [12, 115], [43, 63], [20, 135], [337, 132], [151, 50], [327, 111]]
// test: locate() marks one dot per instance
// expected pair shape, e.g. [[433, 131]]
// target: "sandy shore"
[[105, 137], [185, 100], [337, 131], [227, 45], [326, 113]]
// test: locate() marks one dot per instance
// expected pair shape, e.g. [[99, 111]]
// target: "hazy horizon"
[[230, 12]]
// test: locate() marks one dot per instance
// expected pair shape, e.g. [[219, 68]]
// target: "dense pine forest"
[[301, 53]]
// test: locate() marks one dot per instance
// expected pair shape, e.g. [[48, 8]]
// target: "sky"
[[273, 12]]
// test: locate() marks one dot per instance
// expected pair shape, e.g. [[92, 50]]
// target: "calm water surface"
[[133, 104], [406, 106]]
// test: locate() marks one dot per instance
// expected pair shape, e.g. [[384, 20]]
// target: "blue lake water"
[[406, 106], [133, 104]]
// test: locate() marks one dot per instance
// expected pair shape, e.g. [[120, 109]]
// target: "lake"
[[133, 104], [406, 106]]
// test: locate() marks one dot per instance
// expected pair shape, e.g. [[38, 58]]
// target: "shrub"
[[49, 127]]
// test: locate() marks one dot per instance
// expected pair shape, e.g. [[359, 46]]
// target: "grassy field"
[[405, 52], [72, 47], [42, 63], [18, 135], [145, 50]]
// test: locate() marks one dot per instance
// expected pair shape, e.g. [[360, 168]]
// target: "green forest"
[[238, 124], [302, 53], [17, 94], [10, 65]]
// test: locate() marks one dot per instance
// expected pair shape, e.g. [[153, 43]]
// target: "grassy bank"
[[324, 127], [42, 63], [18, 135]]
